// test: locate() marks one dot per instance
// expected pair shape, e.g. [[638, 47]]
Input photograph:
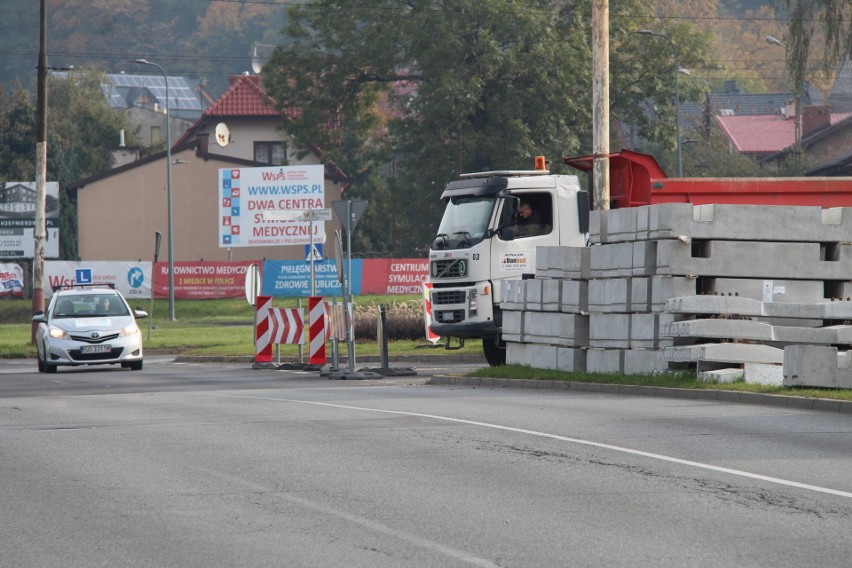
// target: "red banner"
[[394, 275], [203, 280]]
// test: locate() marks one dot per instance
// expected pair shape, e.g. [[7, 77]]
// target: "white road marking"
[[661, 457]]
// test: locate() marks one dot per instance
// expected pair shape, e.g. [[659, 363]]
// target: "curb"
[[249, 360], [783, 401]]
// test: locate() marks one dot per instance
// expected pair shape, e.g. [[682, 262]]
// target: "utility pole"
[[600, 103], [41, 170]]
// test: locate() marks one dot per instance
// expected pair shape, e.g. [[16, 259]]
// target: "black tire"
[[136, 365], [41, 368], [495, 350], [48, 368]]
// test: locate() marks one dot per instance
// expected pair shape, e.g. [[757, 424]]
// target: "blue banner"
[[292, 278]]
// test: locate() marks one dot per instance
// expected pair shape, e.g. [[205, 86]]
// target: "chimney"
[[814, 119]]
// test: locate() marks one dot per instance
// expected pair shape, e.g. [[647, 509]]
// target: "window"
[[538, 219], [272, 153]]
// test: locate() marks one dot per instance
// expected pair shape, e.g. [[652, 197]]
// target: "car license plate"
[[95, 348]]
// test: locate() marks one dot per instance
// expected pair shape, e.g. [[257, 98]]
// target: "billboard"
[[132, 279], [11, 280], [246, 193], [17, 219], [203, 280]]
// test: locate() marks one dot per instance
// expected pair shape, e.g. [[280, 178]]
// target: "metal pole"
[[311, 260], [350, 343], [158, 236], [168, 188]]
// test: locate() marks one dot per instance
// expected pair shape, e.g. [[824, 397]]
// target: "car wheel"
[[41, 368], [48, 368], [136, 365]]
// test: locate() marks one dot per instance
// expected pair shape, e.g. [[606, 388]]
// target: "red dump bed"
[[636, 179]]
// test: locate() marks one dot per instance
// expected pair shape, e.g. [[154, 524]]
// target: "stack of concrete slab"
[[749, 281]]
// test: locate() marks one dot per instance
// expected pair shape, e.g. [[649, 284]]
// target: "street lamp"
[[677, 95], [168, 190], [796, 92]]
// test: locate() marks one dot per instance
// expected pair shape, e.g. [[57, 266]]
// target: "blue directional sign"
[[83, 276]]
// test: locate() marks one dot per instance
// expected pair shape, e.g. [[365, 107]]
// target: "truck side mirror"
[[507, 233]]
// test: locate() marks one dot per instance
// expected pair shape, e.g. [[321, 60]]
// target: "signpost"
[[349, 212], [310, 215]]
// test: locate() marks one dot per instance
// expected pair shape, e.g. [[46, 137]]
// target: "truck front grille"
[[442, 298], [453, 268]]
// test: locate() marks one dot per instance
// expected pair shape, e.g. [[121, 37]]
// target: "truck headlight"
[[472, 299]]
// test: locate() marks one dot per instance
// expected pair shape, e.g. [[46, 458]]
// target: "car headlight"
[[57, 333], [131, 329]]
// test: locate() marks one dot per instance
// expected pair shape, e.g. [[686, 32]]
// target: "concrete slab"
[[609, 331], [734, 353], [749, 222], [531, 355], [760, 374], [562, 262], [571, 360], [815, 366], [551, 295], [611, 261], [643, 362], [734, 305], [609, 295], [575, 296], [752, 259], [722, 375], [605, 361], [568, 330]]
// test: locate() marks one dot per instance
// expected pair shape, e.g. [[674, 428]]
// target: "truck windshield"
[[465, 222]]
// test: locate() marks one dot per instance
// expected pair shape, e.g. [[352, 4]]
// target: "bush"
[[404, 321]]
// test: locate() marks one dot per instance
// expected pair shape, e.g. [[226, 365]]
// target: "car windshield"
[[79, 306], [465, 222]]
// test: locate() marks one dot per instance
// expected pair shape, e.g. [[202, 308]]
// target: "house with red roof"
[[120, 210]]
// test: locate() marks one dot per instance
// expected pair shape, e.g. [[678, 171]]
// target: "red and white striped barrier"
[[287, 326], [316, 330], [431, 336], [262, 332]]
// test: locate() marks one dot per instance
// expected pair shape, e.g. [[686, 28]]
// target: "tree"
[[81, 130], [808, 17], [462, 85]]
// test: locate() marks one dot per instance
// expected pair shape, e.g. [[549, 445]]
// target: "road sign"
[[253, 283], [297, 215], [313, 253], [349, 212], [83, 276]]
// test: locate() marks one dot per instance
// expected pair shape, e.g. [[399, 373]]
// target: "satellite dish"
[[256, 60], [223, 134]]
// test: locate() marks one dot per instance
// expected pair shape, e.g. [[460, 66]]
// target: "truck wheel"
[[495, 350]]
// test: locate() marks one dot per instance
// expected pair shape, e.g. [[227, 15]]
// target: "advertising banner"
[[394, 275], [11, 280], [17, 219], [132, 279], [292, 278], [202, 280], [246, 193]]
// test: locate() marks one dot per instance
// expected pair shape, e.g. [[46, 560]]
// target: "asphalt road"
[[220, 465]]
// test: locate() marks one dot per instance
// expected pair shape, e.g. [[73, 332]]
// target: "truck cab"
[[483, 241]]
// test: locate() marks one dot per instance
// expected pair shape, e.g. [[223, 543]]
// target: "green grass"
[[213, 328], [664, 380]]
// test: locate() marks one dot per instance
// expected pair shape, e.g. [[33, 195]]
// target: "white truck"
[[480, 244]]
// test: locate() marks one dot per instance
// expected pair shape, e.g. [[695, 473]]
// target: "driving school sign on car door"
[[245, 193]]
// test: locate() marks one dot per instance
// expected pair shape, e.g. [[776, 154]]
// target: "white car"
[[88, 325]]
